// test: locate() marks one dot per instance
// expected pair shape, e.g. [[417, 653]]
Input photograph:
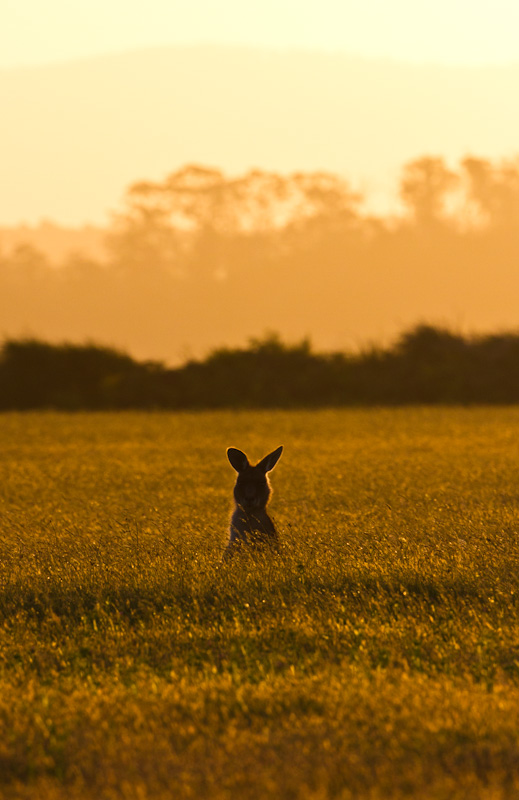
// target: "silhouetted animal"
[[250, 523]]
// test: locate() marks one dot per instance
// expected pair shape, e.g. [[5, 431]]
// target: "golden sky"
[[304, 85], [441, 31], [74, 136]]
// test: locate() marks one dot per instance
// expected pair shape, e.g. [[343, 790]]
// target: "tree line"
[[201, 258], [426, 365]]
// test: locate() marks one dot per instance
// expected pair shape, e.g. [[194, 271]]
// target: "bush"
[[426, 365]]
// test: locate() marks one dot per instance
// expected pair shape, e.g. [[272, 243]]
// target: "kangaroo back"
[[250, 522]]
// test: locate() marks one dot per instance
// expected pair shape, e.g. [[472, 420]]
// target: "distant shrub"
[[37, 375], [426, 365]]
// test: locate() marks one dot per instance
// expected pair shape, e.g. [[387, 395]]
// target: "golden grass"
[[377, 657]]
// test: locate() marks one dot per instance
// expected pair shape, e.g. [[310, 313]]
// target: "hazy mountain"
[[74, 135]]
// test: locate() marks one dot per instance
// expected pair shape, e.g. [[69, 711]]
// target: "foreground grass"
[[377, 657]]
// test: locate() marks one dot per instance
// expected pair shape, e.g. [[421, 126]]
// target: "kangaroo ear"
[[270, 461], [238, 459]]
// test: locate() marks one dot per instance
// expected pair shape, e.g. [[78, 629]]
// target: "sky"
[[80, 130], [74, 137], [439, 31]]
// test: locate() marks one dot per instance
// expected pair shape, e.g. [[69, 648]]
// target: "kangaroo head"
[[252, 488]]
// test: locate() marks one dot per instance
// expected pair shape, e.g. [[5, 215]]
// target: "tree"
[[493, 191], [197, 214], [424, 188]]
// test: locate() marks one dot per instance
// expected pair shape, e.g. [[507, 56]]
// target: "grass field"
[[377, 657]]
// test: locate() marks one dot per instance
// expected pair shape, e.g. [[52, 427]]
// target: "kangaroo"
[[250, 523]]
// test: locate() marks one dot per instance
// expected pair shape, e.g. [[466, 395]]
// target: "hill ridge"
[[76, 133]]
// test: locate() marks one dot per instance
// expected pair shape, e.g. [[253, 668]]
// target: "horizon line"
[[275, 50]]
